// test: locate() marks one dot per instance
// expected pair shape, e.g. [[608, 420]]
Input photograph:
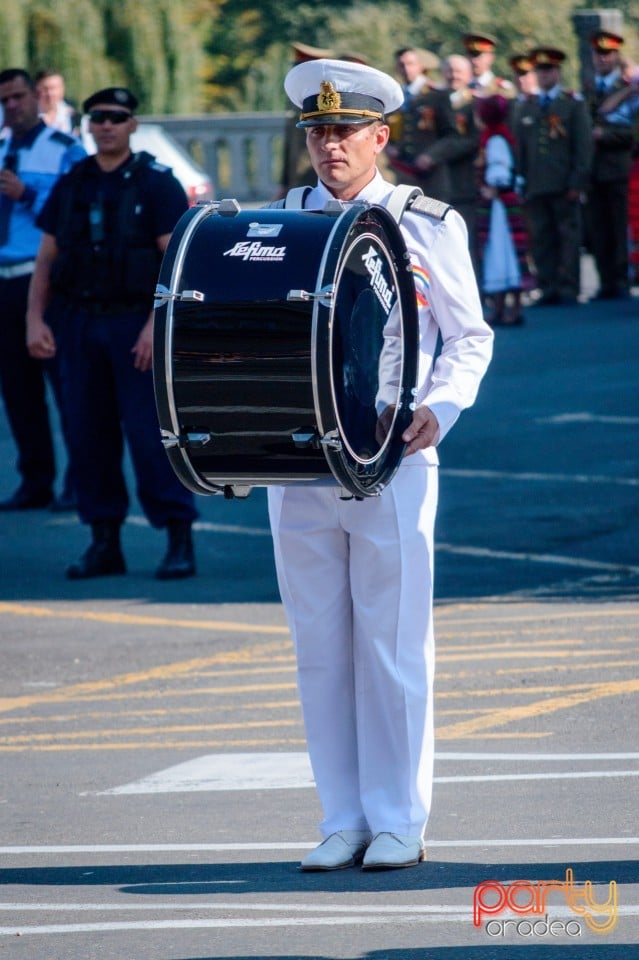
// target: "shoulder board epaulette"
[[573, 94], [160, 167], [430, 207], [66, 139]]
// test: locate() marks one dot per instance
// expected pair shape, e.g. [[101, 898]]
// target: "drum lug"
[[332, 440], [163, 295], [228, 208], [413, 406], [194, 440], [305, 438], [236, 490], [325, 295]]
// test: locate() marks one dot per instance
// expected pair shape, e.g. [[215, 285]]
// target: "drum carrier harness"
[[403, 198]]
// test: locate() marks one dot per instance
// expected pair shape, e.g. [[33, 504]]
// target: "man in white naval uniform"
[[356, 576]]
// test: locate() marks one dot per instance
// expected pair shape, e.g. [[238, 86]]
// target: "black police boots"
[[179, 560], [104, 554]]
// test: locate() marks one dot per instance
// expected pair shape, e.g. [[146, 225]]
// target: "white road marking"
[[336, 915], [528, 757], [286, 771], [527, 476], [556, 775], [227, 771], [588, 418], [550, 558], [305, 845], [242, 922]]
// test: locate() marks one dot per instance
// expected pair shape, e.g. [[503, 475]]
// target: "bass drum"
[[286, 346]]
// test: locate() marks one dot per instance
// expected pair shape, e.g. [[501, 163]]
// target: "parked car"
[[153, 138]]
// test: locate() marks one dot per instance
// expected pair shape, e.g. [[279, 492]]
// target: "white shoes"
[[388, 851], [342, 849]]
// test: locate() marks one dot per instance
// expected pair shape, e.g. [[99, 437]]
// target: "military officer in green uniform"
[[480, 49], [554, 154], [613, 140], [424, 136]]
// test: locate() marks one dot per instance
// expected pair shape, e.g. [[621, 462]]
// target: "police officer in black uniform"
[[105, 227]]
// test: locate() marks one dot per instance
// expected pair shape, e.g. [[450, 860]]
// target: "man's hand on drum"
[[422, 432]]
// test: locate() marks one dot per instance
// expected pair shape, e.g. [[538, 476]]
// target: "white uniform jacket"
[[448, 302]]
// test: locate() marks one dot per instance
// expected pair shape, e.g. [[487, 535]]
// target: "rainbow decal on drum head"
[[422, 285]]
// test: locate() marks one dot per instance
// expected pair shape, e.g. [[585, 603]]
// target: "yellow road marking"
[[133, 731], [20, 610], [525, 652], [532, 668], [163, 672], [149, 712], [230, 745], [538, 708], [491, 608]]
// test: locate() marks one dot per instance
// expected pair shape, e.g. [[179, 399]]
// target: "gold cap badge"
[[328, 99]]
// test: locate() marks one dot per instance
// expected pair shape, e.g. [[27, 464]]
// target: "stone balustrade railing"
[[241, 152]]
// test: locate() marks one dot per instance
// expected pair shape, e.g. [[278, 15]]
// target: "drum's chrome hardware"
[[332, 440], [228, 208], [334, 207], [236, 490], [163, 295], [169, 439], [195, 440], [305, 438], [413, 406], [325, 295]]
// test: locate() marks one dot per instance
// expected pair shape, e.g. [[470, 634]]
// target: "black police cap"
[[111, 96]]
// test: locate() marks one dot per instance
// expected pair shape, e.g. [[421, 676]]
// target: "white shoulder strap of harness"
[[403, 197], [294, 199]]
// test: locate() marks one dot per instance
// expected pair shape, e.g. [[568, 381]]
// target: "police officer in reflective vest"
[[105, 227]]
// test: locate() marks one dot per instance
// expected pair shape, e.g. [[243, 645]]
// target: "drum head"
[[365, 350]]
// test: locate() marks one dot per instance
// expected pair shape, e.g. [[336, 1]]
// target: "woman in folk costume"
[[501, 226]]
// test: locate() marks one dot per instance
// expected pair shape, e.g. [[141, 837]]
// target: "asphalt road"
[[155, 795]]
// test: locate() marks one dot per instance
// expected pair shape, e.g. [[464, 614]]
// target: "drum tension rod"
[[325, 295], [331, 440]]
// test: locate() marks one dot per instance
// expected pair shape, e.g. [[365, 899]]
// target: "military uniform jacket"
[[554, 145], [612, 154], [462, 164], [428, 126]]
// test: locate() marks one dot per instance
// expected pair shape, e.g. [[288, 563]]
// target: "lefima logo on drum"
[[375, 267], [529, 899], [255, 250]]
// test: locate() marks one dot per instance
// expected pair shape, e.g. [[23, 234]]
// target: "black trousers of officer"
[[108, 400], [607, 219], [555, 238], [24, 392]]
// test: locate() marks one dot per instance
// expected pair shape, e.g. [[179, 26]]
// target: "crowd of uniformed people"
[[538, 172]]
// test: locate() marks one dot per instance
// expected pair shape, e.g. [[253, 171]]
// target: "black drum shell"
[[241, 369]]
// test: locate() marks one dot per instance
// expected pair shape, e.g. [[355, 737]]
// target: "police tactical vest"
[[106, 256]]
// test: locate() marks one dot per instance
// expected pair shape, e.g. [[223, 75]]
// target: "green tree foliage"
[[185, 56], [156, 47]]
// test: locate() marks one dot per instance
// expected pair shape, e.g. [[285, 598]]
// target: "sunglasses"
[[113, 116]]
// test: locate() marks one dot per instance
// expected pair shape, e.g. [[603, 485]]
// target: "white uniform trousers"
[[356, 580]]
